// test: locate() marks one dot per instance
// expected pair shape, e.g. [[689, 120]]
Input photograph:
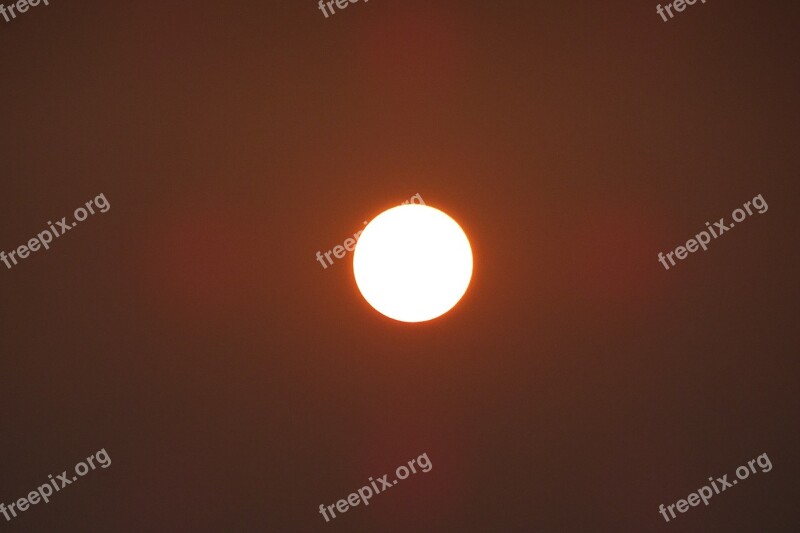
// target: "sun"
[[413, 263]]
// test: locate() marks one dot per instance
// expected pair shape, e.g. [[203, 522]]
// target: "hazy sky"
[[236, 385]]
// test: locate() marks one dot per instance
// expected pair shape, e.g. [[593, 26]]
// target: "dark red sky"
[[236, 385]]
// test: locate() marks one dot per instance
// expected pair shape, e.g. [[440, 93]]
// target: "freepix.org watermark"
[[703, 238], [366, 492], [341, 4], [349, 244], [44, 492], [677, 5], [720, 485], [10, 12], [43, 239]]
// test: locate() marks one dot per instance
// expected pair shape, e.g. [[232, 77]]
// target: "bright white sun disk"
[[413, 263]]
